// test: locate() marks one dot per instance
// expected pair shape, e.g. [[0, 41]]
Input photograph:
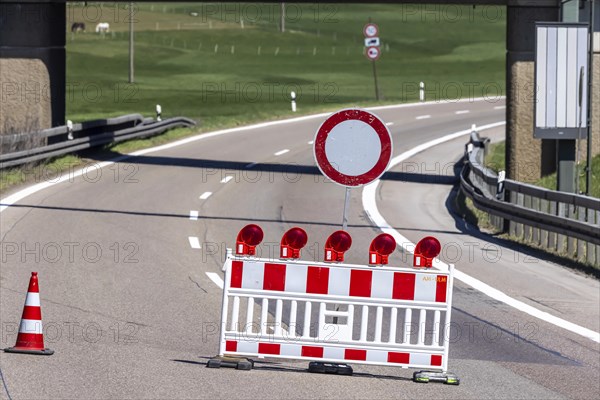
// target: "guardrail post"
[[520, 202], [581, 215], [571, 245], [592, 255], [544, 234], [535, 235], [527, 228], [560, 239], [552, 236]]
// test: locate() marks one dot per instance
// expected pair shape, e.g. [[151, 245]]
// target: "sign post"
[[352, 147], [372, 52]]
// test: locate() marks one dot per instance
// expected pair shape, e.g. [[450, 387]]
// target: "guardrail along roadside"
[[564, 223], [19, 149]]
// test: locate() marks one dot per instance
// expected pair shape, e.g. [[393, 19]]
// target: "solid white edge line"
[[369, 201], [20, 195], [194, 215], [216, 279], [194, 242], [281, 152], [205, 195]]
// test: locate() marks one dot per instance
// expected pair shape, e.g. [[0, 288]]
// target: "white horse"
[[102, 27]]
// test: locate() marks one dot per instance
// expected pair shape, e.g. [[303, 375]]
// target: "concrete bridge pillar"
[[527, 159], [32, 65]]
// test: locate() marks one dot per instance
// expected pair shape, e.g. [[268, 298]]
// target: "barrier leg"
[[429, 376], [240, 363]]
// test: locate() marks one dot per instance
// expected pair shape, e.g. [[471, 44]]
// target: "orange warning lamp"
[[427, 249], [249, 237], [337, 244], [381, 247], [292, 242]]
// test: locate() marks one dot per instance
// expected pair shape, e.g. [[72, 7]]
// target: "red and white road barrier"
[[335, 312]]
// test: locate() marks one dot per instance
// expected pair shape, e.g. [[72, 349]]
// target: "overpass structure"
[[33, 72]]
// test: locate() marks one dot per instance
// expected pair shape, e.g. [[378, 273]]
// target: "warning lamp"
[[249, 237], [381, 247], [337, 244], [427, 249], [292, 242]]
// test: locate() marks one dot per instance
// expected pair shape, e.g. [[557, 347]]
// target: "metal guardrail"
[[565, 223], [84, 136]]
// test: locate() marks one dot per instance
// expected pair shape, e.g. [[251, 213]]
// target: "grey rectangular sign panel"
[[561, 80]]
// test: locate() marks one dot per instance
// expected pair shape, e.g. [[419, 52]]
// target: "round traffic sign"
[[353, 147], [373, 53], [370, 30]]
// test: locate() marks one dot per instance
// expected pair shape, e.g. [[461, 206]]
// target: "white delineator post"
[[422, 91], [293, 97]]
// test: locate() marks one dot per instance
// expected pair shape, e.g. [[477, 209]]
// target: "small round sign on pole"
[[373, 53], [352, 147], [370, 30]]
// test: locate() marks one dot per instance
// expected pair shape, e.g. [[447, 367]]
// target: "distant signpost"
[[372, 50]]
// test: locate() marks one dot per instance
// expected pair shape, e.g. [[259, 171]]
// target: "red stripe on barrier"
[[312, 351], [230, 345], [31, 312], [237, 271], [317, 280], [354, 354], [269, 348], [399, 358], [274, 278], [404, 286], [360, 283], [436, 360], [440, 288]]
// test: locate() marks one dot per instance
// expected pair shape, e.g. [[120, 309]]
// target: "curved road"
[[127, 257]]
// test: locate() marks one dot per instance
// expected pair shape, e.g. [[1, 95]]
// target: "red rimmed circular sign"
[[353, 147]]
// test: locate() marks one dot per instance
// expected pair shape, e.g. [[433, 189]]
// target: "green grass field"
[[210, 67]]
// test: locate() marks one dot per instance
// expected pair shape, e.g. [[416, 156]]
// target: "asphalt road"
[[130, 311]]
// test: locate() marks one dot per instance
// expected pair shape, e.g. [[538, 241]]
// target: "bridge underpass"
[[33, 73]]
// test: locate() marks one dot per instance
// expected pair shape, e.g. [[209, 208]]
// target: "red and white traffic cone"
[[31, 337]]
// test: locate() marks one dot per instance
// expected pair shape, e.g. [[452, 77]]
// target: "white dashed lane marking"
[[205, 195], [216, 279], [423, 117], [226, 179], [282, 152], [194, 242], [194, 215], [462, 112]]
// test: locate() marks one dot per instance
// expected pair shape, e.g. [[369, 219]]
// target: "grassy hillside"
[[212, 66]]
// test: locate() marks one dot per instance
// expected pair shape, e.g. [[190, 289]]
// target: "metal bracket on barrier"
[[430, 376], [241, 363]]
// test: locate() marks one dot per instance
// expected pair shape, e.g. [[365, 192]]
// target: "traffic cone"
[[31, 337]]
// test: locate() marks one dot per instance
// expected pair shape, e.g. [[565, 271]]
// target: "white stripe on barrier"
[[253, 276], [383, 283], [295, 279], [32, 299], [339, 281]]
